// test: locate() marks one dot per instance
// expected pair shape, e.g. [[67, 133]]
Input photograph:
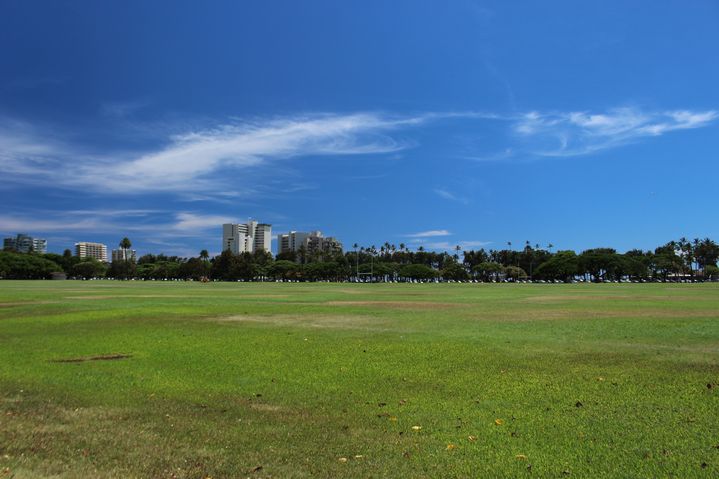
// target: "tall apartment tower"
[[293, 240], [23, 243], [313, 241], [98, 251], [247, 237]]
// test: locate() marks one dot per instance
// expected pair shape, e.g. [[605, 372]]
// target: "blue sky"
[[420, 122]]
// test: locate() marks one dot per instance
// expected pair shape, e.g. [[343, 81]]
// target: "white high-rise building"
[[124, 255], [292, 241], [313, 241], [84, 249], [247, 237]]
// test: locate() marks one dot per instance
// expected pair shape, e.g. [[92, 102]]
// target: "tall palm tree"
[[204, 255], [125, 244]]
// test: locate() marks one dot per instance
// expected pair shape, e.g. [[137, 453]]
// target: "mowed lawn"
[[188, 380]]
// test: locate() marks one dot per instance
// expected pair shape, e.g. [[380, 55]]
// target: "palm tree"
[[204, 255], [125, 245]]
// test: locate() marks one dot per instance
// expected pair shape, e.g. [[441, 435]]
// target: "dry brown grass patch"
[[412, 305], [308, 320]]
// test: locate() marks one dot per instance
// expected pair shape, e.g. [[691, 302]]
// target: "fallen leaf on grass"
[[451, 447], [254, 469], [393, 418], [416, 428], [498, 422], [359, 456], [342, 459], [521, 457], [472, 438]]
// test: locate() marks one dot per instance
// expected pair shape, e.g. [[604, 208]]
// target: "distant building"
[[320, 244], [24, 243], [98, 251], [292, 241], [124, 255], [312, 242], [247, 237]]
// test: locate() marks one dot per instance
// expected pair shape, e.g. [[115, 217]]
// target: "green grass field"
[[335, 380]]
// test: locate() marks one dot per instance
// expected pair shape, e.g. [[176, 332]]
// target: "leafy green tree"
[[286, 256], [454, 271], [515, 273], [194, 268], [706, 252], [285, 269], [417, 272], [666, 261], [122, 270], [89, 268], [488, 271], [225, 265], [26, 266], [711, 272], [564, 265], [600, 263]]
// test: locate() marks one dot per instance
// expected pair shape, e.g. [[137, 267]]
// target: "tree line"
[[676, 260]]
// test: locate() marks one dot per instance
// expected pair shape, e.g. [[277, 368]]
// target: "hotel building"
[[85, 249], [247, 237]]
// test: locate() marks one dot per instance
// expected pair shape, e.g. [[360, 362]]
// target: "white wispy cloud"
[[196, 160], [448, 195], [210, 160], [188, 160], [579, 133], [158, 225], [193, 223], [429, 234]]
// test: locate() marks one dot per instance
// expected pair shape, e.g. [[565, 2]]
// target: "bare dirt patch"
[[412, 305], [103, 357]]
